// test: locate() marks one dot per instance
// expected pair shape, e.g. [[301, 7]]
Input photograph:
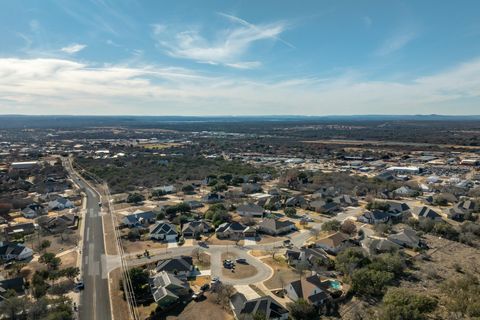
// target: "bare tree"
[[315, 232]]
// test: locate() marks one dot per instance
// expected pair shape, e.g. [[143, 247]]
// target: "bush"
[[370, 282], [331, 225], [135, 198], [302, 310], [290, 212], [399, 304]]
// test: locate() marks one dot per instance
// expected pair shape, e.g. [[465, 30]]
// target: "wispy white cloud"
[[227, 48], [367, 21], [73, 48], [396, 43], [65, 86]]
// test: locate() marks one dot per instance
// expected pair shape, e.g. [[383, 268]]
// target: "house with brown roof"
[[334, 243], [310, 289]]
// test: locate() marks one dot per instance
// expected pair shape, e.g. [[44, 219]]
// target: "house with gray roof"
[[426, 213], [167, 288], [14, 251], [266, 306], [374, 217], [235, 230], [406, 238], [139, 218], [194, 229], [276, 227], [379, 245], [250, 210], [164, 231], [181, 266]]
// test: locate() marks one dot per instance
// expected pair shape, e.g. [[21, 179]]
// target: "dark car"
[[205, 287], [241, 260]]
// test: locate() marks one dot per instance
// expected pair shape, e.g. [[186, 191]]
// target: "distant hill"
[[65, 121]]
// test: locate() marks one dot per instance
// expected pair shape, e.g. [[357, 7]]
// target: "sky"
[[269, 57]]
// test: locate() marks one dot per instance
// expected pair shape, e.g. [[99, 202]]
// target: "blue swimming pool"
[[335, 284]]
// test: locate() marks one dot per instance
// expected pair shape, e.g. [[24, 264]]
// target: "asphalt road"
[[95, 298]]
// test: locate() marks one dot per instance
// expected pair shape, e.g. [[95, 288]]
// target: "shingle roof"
[[275, 224], [179, 264]]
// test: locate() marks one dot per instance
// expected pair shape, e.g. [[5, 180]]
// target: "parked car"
[[205, 287]]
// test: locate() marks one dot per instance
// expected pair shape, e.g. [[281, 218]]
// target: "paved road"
[[95, 299]]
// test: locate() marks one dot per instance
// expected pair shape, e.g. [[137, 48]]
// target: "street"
[[95, 298]]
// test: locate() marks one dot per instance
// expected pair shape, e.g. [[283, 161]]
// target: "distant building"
[[26, 165], [250, 210]]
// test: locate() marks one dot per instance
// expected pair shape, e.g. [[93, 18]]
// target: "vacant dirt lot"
[[120, 310], [69, 259], [140, 246], [202, 310]]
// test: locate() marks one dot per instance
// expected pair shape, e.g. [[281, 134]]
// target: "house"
[[234, 230], [139, 218], [385, 176], [405, 191], [309, 289], [333, 243], [323, 206], [276, 227], [456, 213], [33, 210], [213, 197], [397, 210], [265, 306], [427, 213], [59, 223], [379, 245], [346, 201], [194, 229], [297, 201], [310, 255], [249, 188], [406, 238], [194, 204], [250, 210], [165, 189], [20, 229], [467, 206], [164, 231], [16, 285], [167, 288], [181, 266], [60, 203], [13, 251], [374, 217]]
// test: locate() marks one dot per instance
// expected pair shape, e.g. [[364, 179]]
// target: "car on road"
[[241, 260], [79, 286], [215, 280]]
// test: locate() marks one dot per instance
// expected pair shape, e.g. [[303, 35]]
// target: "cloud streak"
[[73, 48], [396, 43], [227, 48], [53, 86]]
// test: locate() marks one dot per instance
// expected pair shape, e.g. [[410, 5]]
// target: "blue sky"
[[239, 57]]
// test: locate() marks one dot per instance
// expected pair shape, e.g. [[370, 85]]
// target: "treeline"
[[149, 171]]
